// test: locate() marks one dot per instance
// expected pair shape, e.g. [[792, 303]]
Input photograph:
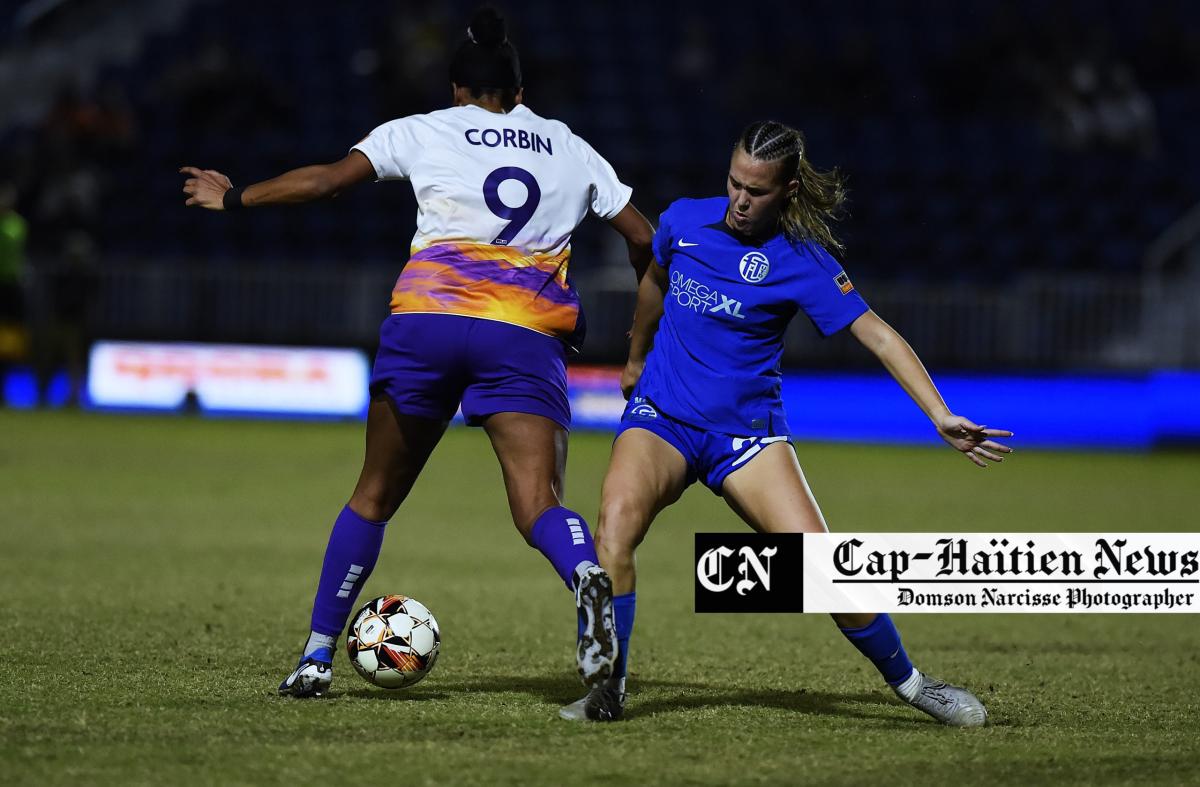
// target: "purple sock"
[[353, 549], [880, 642], [563, 537]]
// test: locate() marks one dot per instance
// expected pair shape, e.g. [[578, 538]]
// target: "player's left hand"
[[205, 188], [972, 440], [630, 376]]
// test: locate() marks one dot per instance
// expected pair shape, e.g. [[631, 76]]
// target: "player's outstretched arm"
[[638, 234], [207, 188], [972, 440], [649, 311]]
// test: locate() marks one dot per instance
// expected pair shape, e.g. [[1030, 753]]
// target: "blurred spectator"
[[694, 58], [412, 56], [92, 128], [218, 90], [1097, 105], [994, 71], [13, 338], [67, 193], [61, 330], [114, 130], [1125, 115]]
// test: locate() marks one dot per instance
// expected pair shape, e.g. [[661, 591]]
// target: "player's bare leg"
[[772, 495], [645, 475], [397, 447], [532, 450]]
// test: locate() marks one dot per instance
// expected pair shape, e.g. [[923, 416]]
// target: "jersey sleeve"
[[662, 243], [828, 297], [392, 148], [608, 194]]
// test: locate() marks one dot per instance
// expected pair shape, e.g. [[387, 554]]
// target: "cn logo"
[[713, 569], [754, 267], [749, 572]]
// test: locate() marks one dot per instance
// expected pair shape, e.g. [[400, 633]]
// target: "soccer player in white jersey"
[[482, 316], [705, 404]]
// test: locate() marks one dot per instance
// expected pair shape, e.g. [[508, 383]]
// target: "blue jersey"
[[715, 361]]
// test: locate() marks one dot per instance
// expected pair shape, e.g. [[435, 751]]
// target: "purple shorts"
[[429, 364]]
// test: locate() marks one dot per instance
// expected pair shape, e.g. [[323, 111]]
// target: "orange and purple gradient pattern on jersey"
[[491, 282]]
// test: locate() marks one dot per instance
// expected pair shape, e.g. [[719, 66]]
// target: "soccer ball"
[[393, 641]]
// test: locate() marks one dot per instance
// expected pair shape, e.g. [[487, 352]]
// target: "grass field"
[[156, 575]]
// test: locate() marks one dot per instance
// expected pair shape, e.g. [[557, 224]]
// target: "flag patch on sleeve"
[[843, 282]]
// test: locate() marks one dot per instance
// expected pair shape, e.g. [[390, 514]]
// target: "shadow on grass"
[[802, 701], [665, 697], [395, 695]]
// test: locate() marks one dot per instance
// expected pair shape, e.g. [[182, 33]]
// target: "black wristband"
[[232, 199]]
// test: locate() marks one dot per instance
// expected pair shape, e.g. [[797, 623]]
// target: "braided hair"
[[818, 201]]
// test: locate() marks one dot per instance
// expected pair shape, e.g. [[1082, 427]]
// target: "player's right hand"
[[630, 376], [205, 188], [973, 441]]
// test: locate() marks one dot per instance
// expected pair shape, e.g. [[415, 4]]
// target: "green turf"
[[155, 578]]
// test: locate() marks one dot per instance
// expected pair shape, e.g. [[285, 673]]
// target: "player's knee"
[[526, 513], [621, 526], [371, 511], [376, 502]]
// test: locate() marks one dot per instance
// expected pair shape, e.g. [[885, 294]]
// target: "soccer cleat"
[[605, 702], [312, 675], [598, 641], [952, 705]]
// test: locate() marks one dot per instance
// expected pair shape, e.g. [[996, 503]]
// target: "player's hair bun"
[[487, 27], [486, 59]]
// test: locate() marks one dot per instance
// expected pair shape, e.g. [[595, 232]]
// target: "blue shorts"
[[710, 456], [429, 364]]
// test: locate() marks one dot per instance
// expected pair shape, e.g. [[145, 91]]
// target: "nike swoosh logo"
[[684, 244]]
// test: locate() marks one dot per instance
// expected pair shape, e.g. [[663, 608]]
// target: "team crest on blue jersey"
[[754, 267], [642, 410]]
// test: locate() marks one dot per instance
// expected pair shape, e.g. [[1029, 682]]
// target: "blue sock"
[[563, 537], [880, 642], [624, 607], [353, 549]]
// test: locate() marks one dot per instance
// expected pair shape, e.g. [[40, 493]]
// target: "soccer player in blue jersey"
[[703, 384], [482, 316]]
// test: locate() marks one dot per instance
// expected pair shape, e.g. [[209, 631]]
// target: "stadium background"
[[1014, 167], [1024, 187]]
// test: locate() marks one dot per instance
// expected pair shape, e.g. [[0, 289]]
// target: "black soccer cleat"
[[605, 702], [597, 651]]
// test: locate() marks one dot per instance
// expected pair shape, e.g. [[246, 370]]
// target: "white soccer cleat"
[[598, 643], [311, 678], [951, 705]]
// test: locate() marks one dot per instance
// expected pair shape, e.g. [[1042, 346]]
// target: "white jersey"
[[498, 197]]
